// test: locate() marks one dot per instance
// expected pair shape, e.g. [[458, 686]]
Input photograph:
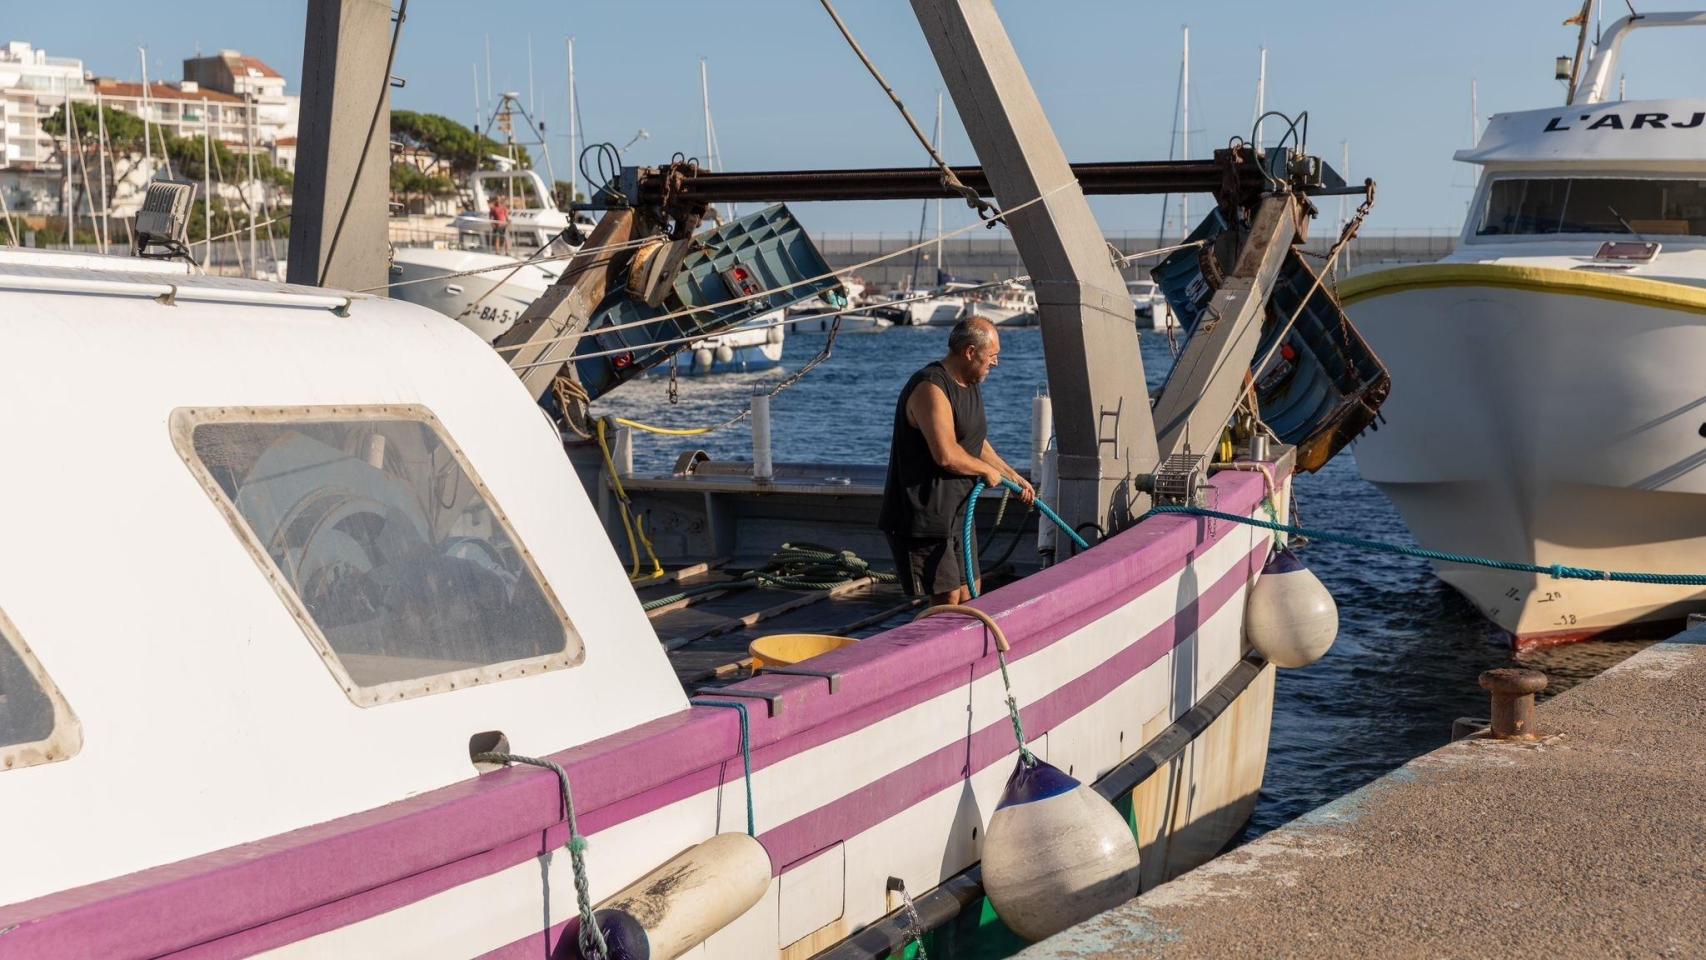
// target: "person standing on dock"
[[939, 450]]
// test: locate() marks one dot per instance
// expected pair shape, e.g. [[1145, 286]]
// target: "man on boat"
[[499, 214], [940, 448]]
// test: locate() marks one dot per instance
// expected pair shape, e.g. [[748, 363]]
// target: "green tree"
[[560, 191], [124, 130], [456, 145]]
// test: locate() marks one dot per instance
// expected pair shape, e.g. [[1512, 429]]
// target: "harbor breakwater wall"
[[995, 257]]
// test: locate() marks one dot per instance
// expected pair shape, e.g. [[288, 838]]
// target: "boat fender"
[[1290, 618], [674, 908], [702, 358], [1055, 853], [725, 353], [773, 335]]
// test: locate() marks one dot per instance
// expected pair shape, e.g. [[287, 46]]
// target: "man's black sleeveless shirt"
[[920, 499]]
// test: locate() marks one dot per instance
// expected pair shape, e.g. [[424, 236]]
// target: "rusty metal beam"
[[1208, 378], [916, 183], [546, 330]]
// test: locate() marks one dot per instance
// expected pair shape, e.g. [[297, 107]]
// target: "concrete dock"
[[1590, 842]]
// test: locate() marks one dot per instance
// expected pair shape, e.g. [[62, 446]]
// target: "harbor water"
[[1409, 648]]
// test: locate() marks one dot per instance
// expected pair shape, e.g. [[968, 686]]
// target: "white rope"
[[1124, 259], [993, 285], [833, 274], [806, 318]]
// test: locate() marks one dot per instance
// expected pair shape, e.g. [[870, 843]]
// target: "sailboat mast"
[[207, 186], [574, 156], [101, 152], [937, 143], [147, 148], [1185, 132], [1261, 96], [705, 104]]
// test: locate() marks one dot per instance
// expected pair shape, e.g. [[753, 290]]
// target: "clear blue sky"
[[1391, 78]]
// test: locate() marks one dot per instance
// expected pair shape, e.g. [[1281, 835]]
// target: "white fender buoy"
[[1056, 853], [725, 353], [674, 908], [702, 358], [1290, 618], [773, 335]]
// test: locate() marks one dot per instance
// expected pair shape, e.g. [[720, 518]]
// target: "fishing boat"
[[486, 292], [416, 573], [428, 713], [1008, 306], [1551, 413]]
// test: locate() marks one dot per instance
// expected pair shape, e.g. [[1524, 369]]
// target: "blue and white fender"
[[1056, 853]]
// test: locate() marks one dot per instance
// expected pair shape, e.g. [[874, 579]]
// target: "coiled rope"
[[796, 566], [1557, 571], [591, 938]]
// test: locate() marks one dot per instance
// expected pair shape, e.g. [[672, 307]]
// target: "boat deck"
[[706, 634]]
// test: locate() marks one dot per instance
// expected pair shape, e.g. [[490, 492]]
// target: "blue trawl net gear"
[[755, 254], [1320, 384]]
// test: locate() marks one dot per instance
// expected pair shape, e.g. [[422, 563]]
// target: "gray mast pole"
[[343, 82], [1095, 372]]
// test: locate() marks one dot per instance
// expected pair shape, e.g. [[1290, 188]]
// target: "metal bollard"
[[1513, 690]]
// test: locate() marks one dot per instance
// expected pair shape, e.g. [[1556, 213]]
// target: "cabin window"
[[373, 526], [1645, 208], [36, 725]]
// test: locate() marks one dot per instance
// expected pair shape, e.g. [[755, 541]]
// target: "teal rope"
[[745, 754], [971, 517], [591, 938], [1558, 571]]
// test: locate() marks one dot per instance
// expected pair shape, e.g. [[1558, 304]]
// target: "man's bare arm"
[[928, 410]]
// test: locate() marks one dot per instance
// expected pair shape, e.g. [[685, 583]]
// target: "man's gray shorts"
[[930, 565]]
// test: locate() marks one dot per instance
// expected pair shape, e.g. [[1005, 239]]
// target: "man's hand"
[[1027, 493], [991, 477]]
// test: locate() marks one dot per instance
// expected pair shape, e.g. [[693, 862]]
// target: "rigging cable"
[[950, 180]]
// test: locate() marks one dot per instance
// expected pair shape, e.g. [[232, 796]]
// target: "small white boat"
[[1005, 307], [753, 345], [1148, 303], [1548, 403], [941, 309]]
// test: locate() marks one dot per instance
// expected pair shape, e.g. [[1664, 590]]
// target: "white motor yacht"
[[1548, 407], [1148, 303], [1012, 306]]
